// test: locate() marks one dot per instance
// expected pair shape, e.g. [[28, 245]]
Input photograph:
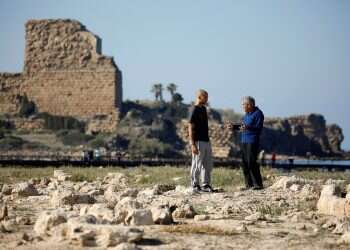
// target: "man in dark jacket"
[[251, 128], [202, 163]]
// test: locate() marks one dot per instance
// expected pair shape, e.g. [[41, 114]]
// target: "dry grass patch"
[[198, 229]]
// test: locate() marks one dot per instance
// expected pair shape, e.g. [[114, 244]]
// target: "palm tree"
[[172, 87], [157, 89], [177, 98]]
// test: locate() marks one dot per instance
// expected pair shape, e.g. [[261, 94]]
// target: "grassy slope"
[[149, 176]]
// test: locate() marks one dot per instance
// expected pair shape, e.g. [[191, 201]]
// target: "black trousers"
[[250, 166]]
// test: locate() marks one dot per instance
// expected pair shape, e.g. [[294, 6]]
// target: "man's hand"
[[194, 149], [228, 125], [243, 127]]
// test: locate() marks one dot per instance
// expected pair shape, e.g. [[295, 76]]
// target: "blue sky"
[[292, 56]]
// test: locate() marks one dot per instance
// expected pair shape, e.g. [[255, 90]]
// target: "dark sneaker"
[[245, 188], [258, 187], [207, 188], [196, 188]]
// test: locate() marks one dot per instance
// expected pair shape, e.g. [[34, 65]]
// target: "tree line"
[[158, 89]]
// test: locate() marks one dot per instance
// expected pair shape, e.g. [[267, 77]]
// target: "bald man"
[[202, 163]]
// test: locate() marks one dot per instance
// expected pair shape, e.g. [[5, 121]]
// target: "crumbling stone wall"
[[9, 92], [221, 138], [301, 135], [65, 74]]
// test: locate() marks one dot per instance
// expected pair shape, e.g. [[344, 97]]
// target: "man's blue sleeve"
[[258, 123]]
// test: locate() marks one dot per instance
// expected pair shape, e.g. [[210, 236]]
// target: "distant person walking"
[[251, 128], [202, 163], [273, 159]]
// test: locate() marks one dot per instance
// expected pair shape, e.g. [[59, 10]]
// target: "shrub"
[[55, 122], [75, 138], [149, 147], [11, 142], [97, 142]]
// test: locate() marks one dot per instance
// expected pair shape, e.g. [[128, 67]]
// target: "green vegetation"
[[149, 147], [11, 142], [54, 122], [270, 209], [74, 137], [227, 178]]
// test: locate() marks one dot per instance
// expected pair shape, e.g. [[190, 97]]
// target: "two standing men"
[[202, 163]]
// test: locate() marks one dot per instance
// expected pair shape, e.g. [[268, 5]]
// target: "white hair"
[[249, 99], [201, 92]]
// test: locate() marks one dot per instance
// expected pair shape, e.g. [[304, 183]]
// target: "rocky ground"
[[57, 213]]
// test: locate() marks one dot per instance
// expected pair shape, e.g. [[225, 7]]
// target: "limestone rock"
[[345, 239], [61, 176], [102, 213], [48, 220], [69, 197], [201, 217], [118, 179], [330, 202], [286, 182], [6, 189], [85, 234], [113, 194], [139, 217], [255, 217], [162, 215], [25, 189], [126, 246], [184, 211], [123, 207], [7, 226], [45, 181], [3, 212]]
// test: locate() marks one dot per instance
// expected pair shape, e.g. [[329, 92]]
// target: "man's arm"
[[191, 137], [257, 125]]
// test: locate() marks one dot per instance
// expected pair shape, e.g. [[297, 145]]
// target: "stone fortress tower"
[[65, 74]]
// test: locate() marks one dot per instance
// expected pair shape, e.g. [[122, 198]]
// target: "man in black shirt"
[[202, 163]]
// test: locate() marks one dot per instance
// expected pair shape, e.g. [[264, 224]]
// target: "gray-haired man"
[[251, 129], [202, 163]]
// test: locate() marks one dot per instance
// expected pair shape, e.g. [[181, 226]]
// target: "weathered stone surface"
[[3, 212], [201, 217], [85, 234], [60, 175], [62, 56], [162, 215], [123, 207], [126, 246], [117, 179], [345, 239], [287, 182], [68, 197], [102, 213], [184, 211], [139, 217], [7, 226], [6, 189], [255, 217], [47, 220], [331, 203], [25, 189], [113, 194]]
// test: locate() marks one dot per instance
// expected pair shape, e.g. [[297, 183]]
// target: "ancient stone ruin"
[[65, 74]]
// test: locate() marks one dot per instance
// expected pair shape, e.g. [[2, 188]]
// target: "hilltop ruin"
[[65, 74]]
